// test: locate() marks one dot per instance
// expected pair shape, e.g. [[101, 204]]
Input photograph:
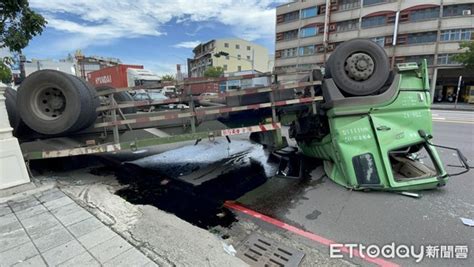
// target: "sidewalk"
[[450, 106], [50, 229]]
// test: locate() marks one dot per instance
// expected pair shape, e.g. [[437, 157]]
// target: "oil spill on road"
[[224, 171]]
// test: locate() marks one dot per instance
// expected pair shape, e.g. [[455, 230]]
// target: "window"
[[456, 35], [225, 67], [456, 10], [446, 59], [374, 21], [347, 25], [238, 56], [419, 38], [248, 57], [307, 50], [348, 4], [227, 57], [288, 17], [226, 44], [237, 46], [309, 31], [248, 48], [309, 12], [379, 40], [239, 68], [424, 14], [418, 59], [290, 52], [373, 2], [290, 35]]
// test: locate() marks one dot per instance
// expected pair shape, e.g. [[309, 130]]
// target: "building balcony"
[[288, 26], [345, 15], [448, 47], [380, 7], [342, 36], [457, 22], [297, 5], [317, 58], [415, 49], [418, 26], [376, 31]]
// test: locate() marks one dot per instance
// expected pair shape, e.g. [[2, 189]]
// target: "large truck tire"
[[359, 67], [19, 127], [120, 97], [54, 103], [92, 117]]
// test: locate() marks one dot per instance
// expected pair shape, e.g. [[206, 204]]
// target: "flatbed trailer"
[[115, 131]]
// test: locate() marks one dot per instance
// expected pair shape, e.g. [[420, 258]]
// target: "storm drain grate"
[[260, 251]]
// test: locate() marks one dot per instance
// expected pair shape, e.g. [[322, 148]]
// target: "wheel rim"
[[359, 66], [48, 103]]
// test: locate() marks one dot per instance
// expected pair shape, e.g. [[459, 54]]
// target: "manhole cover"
[[260, 251]]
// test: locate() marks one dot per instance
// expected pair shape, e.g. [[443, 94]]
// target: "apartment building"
[[233, 55], [409, 30]]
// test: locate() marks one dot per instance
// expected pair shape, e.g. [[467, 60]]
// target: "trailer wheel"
[[120, 97], [92, 117], [19, 127], [52, 103], [359, 67]]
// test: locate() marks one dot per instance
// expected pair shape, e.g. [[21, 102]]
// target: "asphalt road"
[[326, 209]]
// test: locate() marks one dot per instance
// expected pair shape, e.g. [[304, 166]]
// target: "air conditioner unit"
[[321, 49], [331, 47], [332, 27], [466, 12]]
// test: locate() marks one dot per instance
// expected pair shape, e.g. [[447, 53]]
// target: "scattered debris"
[[229, 249], [410, 194], [468, 222]]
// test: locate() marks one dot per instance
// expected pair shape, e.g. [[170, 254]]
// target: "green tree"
[[466, 58], [5, 73], [167, 77], [18, 24], [214, 72]]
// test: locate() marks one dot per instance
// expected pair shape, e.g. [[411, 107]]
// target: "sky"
[[155, 33]]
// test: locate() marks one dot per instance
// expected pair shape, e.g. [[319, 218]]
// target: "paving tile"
[[7, 219], [96, 237], [40, 225], [29, 212], [132, 257], [35, 261], [66, 209], [13, 239], [151, 264], [24, 203], [63, 253], [58, 202], [110, 249], [50, 195], [58, 236], [4, 209], [18, 254], [74, 217], [10, 227], [85, 259], [84, 227]]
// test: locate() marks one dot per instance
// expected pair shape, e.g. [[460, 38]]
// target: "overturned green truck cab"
[[374, 140], [373, 129]]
